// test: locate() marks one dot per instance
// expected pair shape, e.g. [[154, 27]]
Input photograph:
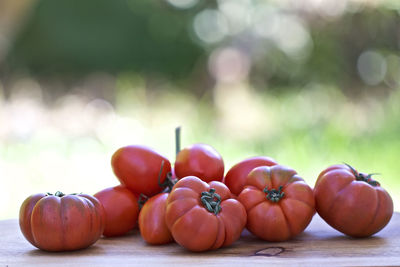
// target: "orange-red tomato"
[[352, 202], [61, 222], [137, 168], [121, 208], [279, 204], [203, 216], [152, 225], [199, 160], [235, 178]]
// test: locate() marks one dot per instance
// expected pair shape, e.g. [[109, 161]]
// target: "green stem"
[[273, 194], [142, 199], [362, 177], [57, 194], [211, 201], [168, 183], [177, 139]]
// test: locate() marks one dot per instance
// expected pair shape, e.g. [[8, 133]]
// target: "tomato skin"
[[152, 225], [199, 160], [137, 168], [61, 223], [235, 178], [193, 226], [353, 207], [121, 209], [281, 220]]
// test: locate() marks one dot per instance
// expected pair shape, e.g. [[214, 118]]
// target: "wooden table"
[[318, 245]]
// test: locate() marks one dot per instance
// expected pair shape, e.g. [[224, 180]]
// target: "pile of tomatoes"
[[198, 207]]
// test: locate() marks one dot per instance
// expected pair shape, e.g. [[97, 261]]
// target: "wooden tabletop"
[[318, 245]]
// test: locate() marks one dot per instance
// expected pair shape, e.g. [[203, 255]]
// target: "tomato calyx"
[[362, 177], [142, 199], [273, 194], [168, 182], [211, 201], [57, 194]]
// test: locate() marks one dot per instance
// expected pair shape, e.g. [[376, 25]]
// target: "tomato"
[[199, 160], [352, 202], [61, 222], [152, 225], [137, 168], [121, 208], [235, 178], [203, 216], [279, 204]]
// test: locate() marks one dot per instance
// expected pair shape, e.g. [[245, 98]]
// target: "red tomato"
[[152, 224], [278, 202], [352, 202], [203, 216], [199, 160], [137, 168], [235, 178], [121, 208], [61, 222]]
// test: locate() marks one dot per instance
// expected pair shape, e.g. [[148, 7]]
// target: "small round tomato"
[[61, 222], [203, 216], [352, 202], [152, 225], [199, 160], [279, 204], [235, 178], [137, 168], [121, 208]]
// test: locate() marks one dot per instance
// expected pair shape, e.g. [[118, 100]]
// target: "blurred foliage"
[[79, 37], [154, 38]]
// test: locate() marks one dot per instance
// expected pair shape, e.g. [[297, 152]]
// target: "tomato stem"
[[57, 194], [177, 139], [273, 194], [211, 201], [168, 182], [362, 177], [142, 199]]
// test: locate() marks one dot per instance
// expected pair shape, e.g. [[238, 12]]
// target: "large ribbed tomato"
[[352, 202], [235, 178], [203, 216], [121, 208], [279, 204], [199, 160], [137, 168], [61, 222]]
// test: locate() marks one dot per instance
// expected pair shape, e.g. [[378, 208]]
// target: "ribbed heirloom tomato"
[[278, 202], [235, 178], [61, 222], [203, 216], [199, 160], [121, 208], [137, 168], [352, 202]]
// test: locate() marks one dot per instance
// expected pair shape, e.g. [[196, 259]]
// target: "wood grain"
[[318, 245]]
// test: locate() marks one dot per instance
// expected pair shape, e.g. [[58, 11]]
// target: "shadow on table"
[[90, 251]]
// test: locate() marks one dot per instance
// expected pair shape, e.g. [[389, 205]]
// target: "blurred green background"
[[308, 82]]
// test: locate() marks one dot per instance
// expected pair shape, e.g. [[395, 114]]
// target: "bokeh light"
[[210, 26], [183, 3], [371, 67]]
